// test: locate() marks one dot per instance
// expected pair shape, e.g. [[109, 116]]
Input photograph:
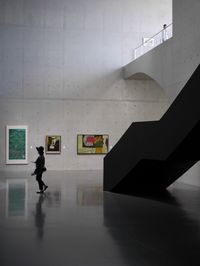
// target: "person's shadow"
[[40, 216]]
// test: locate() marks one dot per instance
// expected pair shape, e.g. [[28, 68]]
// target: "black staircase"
[[152, 155]]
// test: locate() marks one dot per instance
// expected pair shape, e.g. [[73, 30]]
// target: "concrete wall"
[[172, 63], [185, 59], [60, 72], [71, 117]]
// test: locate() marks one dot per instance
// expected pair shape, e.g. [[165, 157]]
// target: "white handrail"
[[157, 39]]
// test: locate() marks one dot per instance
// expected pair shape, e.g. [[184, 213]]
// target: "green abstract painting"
[[17, 144]]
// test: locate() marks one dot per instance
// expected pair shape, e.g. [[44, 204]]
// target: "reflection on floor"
[[74, 223]]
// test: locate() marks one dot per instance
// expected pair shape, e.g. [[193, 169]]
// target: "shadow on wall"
[[140, 76], [98, 85], [112, 86], [144, 88]]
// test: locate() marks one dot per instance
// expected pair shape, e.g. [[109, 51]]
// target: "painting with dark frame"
[[53, 144]]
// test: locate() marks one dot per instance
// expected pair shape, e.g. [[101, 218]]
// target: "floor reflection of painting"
[[92, 144], [89, 196], [16, 198]]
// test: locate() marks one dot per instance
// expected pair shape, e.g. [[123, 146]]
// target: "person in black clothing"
[[40, 168]]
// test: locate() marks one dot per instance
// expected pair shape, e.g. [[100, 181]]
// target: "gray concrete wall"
[[141, 101], [172, 63], [60, 72]]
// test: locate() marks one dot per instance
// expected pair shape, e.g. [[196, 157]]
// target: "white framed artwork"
[[16, 144]]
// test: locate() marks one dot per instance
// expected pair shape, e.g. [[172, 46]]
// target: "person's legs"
[[42, 186], [45, 187], [40, 182]]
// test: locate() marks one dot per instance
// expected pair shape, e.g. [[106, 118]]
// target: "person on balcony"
[[164, 33]]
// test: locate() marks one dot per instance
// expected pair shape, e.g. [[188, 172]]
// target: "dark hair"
[[40, 150]]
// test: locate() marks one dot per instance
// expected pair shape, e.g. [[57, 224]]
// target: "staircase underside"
[[152, 155]]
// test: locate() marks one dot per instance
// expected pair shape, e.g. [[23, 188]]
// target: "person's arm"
[[37, 163]]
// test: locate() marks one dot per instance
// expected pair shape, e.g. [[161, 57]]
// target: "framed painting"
[[16, 145], [92, 144], [53, 144]]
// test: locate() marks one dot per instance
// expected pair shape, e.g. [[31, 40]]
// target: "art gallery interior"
[[75, 76]]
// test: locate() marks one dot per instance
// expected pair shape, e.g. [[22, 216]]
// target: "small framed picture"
[[53, 144], [16, 145]]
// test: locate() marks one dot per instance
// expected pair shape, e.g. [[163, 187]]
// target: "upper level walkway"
[[155, 62], [147, 63], [157, 39]]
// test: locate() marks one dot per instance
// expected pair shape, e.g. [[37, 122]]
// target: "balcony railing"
[[150, 43]]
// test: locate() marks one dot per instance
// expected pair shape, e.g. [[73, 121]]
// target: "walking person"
[[40, 168]]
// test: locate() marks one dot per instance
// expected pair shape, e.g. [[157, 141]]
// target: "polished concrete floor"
[[74, 223]]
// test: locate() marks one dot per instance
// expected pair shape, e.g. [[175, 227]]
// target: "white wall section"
[[60, 71]]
